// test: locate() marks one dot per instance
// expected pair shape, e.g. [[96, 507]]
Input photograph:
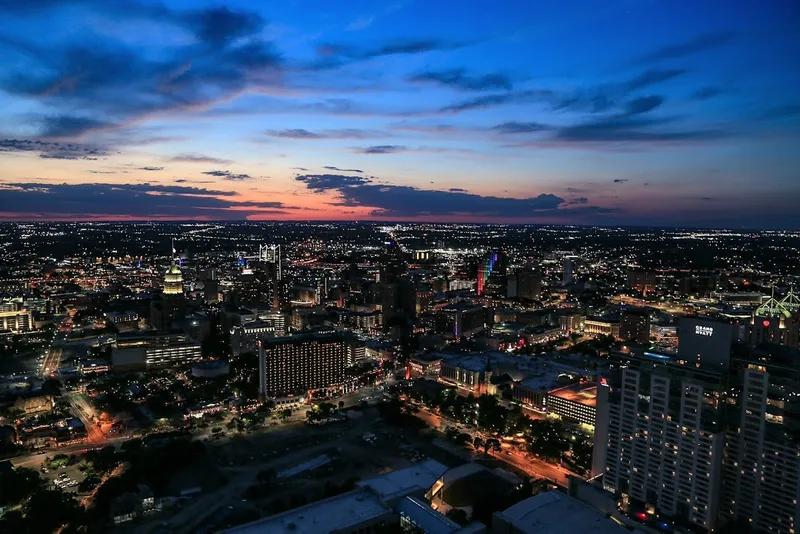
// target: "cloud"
[[620, 180], [381, 149], [198, 158], [603, 98], [457, 190], [228, 175], [622, 128], [346, 133], [520, 127], [220, 25], [406, 201], [66, 127], [392, 48], [781, 112], [151, 168], [579, 200], [300, 169], [332, 168], [53, 150], [97, 82], [462, 79], [123, 201], [488, 101], [361, 23], [687, 48], [706, 93], [652, 77], [644, 104]]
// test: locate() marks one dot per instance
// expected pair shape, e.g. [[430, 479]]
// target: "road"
[[34, 461], [83, 410], [523, 461], [52, 356]]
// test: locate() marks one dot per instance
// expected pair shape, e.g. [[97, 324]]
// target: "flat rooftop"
[[586, 395], [330, 515], [557, 513], [404, 481]]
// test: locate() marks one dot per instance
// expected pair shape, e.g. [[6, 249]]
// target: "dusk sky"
[[614, 112]]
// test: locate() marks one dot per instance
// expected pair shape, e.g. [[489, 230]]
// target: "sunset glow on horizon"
[[633, 113]]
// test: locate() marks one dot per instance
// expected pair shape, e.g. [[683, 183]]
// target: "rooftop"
[[425, 517], [405, 481], [578, 393], [329, 515], [558, 513]]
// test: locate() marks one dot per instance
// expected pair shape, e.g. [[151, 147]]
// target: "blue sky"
[[638, 112]]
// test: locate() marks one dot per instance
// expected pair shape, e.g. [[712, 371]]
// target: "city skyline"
[[639, 113]]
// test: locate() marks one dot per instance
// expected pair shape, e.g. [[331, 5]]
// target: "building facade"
[[299, 363], [660, 434], [635, 325]]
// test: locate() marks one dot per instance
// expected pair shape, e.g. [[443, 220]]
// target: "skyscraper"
[[762, 443], [710, 435], [171, 308], [635, 325], [493, 265], [660, 433], [566, 275]]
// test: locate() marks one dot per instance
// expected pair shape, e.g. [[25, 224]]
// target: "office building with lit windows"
[[300, 363]]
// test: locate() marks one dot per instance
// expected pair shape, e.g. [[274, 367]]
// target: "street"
[[523, 461]]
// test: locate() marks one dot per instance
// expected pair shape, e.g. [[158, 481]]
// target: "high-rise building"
[[171, 307], [762, 445], [392, 263], [660, 433], [491, 273], [460, 319], [566, 275], [634, 325], [710, 435], [304, 362], [529, 284]]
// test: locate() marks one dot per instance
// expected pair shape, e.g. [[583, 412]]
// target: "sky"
[[613, 112]]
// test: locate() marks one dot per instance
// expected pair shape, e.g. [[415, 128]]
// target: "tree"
[[286, 413], [51, 386], [341, 405], [478, 442]]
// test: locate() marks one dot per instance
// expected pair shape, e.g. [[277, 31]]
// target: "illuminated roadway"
[[523, 461], [84, 411]]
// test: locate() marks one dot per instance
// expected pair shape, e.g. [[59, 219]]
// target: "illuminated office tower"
[[490, 270]]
